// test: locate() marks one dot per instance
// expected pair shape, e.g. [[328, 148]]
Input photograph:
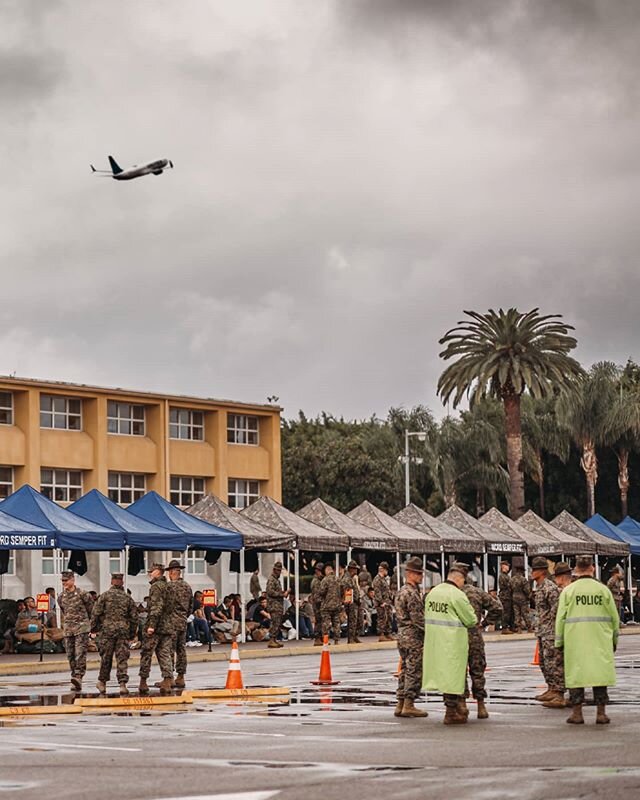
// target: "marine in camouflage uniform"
[[546, 598], [349, 581], [521, 592], [505, 595], [331, 604], [488, 609], [158, 631], [614, 584], [383, 602], [409, 606], [182, 596], [76, 606], [275, 604], [115, 619], [316, 600]]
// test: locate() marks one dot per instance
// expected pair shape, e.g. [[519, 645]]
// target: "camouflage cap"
[[460, 566], [117, 576], [505, 563], [153, 567], [175, 565], [319, 566], [584, 562], [384, 565], [562, 568], [618, 568], [353, 565], [66, 574], [277, 565], [539, 563], [414, 565]]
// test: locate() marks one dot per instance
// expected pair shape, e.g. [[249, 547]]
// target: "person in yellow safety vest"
[[587, 628], [448, 615]]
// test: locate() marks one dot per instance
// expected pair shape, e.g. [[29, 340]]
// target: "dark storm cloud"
[[349, 176]]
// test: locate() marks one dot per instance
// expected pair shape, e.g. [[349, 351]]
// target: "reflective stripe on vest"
[[587, 619], [449, 623]]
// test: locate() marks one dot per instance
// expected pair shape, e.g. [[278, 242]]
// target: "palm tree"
[[623, 422], [504, 354], [542, 433], [587, 413]]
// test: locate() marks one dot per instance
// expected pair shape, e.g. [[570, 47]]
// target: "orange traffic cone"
[[325, 678], [536, 655], [396, 674], [234, 675]]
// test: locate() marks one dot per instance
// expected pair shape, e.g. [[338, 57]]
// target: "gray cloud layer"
[[349, 176]]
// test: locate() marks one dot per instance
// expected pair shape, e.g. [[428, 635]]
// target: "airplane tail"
[[114, 166]]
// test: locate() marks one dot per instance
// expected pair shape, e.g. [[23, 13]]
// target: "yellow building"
[[66, 439]]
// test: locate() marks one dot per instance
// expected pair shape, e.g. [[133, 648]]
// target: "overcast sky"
[[348, 177]]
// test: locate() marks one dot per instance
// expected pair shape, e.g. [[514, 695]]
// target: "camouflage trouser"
[[507, 611], [180, 651], [551, 663], [108, 647], [317, 630], [331, 620], [521, 614], [76, 650], [410, 678], [276, 621], [600, 696], [360, 627], [477, 666], [352, 620], [162, 645], [452, 700], [384, 620]]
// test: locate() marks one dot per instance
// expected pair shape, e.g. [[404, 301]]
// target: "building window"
[[6, 482], [125, 419], [195, 563], [242, 493], [54, 562], [116, 557], [61, 485], [126, 487], [185, 491], [186, 424], [6, 408], [62, 413], [242, 429], [11, 566]]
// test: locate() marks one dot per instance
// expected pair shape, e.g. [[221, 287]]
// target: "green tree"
[[624, 426], [504, 354]]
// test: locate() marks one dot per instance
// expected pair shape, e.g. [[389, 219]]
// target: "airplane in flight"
[[119, 174]]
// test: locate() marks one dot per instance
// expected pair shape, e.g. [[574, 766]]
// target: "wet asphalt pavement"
[[324, 743]]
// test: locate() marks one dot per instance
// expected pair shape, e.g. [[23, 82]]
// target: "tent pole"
[[485, 570], [296, 579], [442, 565], [349, 555], [526, 566], [243, 629], [424, 571], [126, 566], [629, 585], [57, 559], [398, 569], [597, 560], [337, 565]]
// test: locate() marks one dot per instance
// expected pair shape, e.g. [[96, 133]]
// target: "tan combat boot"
[[123, 688], [482, 710], [555, 700], [273, 643], [576, 717], [76, 684], [179, 682], [410, 710], [165, 686], [544, 696], [143, 688], [399, 707], [453, 716], [462, 707], [317, 643], [101, 686], [601, 717]]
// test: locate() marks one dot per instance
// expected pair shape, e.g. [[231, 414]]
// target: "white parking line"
[[57, 745]]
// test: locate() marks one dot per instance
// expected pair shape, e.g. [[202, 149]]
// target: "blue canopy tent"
[[632, 527], [16, 534], [598, 523]]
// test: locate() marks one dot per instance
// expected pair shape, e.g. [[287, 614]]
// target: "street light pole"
[[406, 458]]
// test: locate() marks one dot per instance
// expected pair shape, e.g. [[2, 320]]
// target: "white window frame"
[[60, 413], [8, 408], [115, 488], [6, 483], [184, 423], [60, 489], [193, 561], [11, 566], [240, 429], [57, 559], [243, 492], [118, 420], [186, 486], [116, 561]]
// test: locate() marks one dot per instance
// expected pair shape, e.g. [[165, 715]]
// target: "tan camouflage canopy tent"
[[570, 545], [452, 540], [536, 543], [360, 536], [604, 545], [408, 540]]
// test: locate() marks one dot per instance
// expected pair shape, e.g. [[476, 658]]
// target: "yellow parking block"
[[135, 702], [242, 694], [23, 711]]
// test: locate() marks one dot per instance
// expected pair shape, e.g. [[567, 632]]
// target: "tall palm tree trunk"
[[514, 454], [623, 478], [589, 463], [540, 468]]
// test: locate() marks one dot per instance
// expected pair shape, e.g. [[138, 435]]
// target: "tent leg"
[[243, 627], [348, 555], [125, 571], [296, 578], [597, 560], [337, 565], [442, 565], [526, 565], [485, 570], [424, 572], [398, 569], [629, 585]]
